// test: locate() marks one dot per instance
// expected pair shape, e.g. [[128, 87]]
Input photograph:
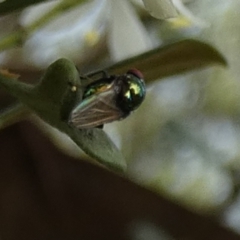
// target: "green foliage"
[[12, 5], [172, 59], [53, 98]]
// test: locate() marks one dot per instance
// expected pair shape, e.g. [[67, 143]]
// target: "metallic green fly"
[[108, 99]]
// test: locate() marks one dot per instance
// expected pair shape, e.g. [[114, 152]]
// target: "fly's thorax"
[[97, 87]]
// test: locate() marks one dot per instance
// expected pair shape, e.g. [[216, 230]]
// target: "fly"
[[108, 99]]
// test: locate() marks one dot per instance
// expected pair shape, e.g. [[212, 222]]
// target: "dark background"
[[45, 194]]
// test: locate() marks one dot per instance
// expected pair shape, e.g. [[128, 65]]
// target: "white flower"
[[75, 34], [80, 34], [160, 9], [127, 36], [168, 9], [188, 15]]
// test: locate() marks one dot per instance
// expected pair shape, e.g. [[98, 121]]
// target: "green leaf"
[[172, 59], [8, 6], [55, 95]]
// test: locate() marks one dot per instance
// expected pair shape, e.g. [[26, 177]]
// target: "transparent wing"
[[96, 110]]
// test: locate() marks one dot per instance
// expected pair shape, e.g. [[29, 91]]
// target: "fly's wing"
[[96, 110]]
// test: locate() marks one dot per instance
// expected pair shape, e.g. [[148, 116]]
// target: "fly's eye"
[[133, 92]]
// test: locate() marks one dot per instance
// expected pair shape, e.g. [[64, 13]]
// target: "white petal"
[[31, 14], [160, 9], [72, 35], [188, 14], [127, 37], [138, 3], [75, 34]]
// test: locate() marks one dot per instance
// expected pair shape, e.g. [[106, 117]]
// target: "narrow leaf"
[[8, 6], [171, 60], [98, 145]]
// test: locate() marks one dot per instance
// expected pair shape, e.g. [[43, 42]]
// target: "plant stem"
[[13, 115], [12, 40], [15, 87]]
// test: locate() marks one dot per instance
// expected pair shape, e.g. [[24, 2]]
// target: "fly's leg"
[[92, 77], [102, 72]]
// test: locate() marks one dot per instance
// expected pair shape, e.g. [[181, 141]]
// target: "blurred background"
[[183, 142]]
